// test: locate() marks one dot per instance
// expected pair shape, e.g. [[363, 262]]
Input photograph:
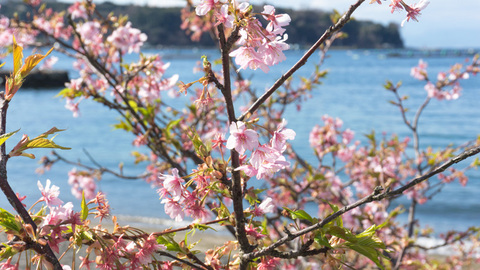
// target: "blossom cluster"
[[82, 184], [413, 11], [179, 201], [266, 159], [259, 47], [444, 79], [119, 250]]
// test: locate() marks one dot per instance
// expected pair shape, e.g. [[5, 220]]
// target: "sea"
[[352, 91]]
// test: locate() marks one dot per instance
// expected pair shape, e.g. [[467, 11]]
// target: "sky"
[[443, 24]]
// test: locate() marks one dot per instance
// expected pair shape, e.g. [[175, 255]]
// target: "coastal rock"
[[41, 79]]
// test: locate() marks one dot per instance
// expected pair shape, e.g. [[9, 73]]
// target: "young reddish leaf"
[[17, 56], [31, 62]]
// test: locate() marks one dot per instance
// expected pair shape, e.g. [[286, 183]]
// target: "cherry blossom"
[[281, 135], [50, 193], [173, 184], [223, 16], [414, 10], [267, 206], [205, 6], [173, 209], [241, 138], [396, 5], [420, 72], [276, 22], [77, 10], [82, 183], [248, 57], [127, 39]]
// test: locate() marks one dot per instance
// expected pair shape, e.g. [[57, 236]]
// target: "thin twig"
[[326, 35]]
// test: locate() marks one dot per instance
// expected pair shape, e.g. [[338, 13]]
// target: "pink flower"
[[268, 264], [127, 39], [268, 169], [272, 51], [419, 72], [59, 213], [396, 5], [82, 182], [347, 136], [8, 266], [49, 62], [267, 206], [276, 22], [346, 154], [77, 10], [173, 209], [89, 31], [434, 92], [50, 193], [173, 184], [219, 140], [72, 106], [248, 57], [147, 248], [241, 138], [253, 233], [198, 212], [414, 10], [224, 17], [262, 155], [205, 6], [249, 170], [281, 135]]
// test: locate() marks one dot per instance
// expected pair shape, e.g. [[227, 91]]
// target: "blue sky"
[[444, 23]]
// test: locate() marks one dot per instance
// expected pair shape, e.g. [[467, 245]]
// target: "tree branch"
[[326, 35], [377, 195]]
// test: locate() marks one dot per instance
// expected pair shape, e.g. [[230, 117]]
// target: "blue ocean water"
[[352, 91]]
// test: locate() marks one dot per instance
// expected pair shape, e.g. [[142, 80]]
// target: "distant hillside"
[[162, 25]]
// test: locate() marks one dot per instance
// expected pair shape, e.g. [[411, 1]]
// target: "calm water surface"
[[352, 91]]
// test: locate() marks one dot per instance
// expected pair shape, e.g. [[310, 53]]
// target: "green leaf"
[[341, 232], [169, 127], [203, 227], [69, 92], [7, 252], [123, 125], [44, 143], [169, 243], [368, 252], [338, 220], [200, 148], [8, 222], [84, 212], [300, 214], [322, 240], [388, 85], [5, 137], [365, 243], [133, 105]]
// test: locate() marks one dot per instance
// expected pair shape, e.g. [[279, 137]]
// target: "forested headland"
[[162, 25]]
